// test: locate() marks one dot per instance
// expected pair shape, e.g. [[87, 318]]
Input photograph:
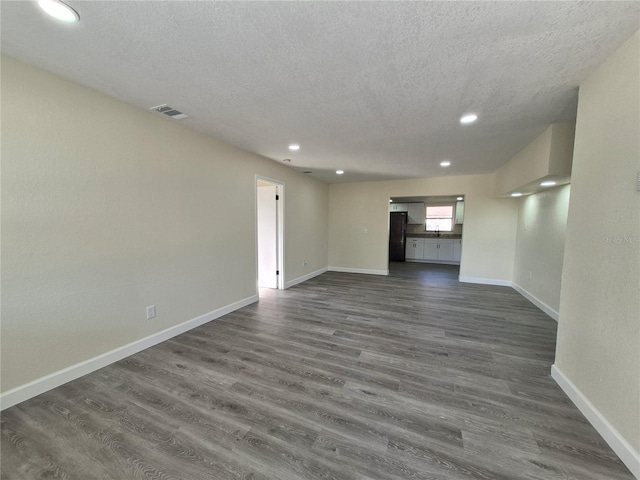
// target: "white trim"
[[304, 278], [366, 271], [53, 380], [537, 302], [618, 444], [486, 281]]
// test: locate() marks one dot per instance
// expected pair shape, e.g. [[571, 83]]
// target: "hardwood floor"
[[345, 376]]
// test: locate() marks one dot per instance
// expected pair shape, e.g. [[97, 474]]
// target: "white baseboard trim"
[[486, 281], [304, 278], [53, 380], [537, 302], [366, 271], [618, 444], [439, 262]]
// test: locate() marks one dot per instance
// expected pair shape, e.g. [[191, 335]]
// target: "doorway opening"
[[426, 230], [269, 233]]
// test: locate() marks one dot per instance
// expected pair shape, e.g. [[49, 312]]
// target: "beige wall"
[[107, 208], [561, 154], [542, 222], [598, 345], [549, 154], [488, 241], [531, 163]]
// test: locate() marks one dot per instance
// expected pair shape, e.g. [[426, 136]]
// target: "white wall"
[[542, 221], [107, 208], [598, 346], [489, 231]]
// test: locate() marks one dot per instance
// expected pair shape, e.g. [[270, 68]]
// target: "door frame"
[[279, 228]]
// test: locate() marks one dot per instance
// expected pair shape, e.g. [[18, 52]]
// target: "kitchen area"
[[426, 229]]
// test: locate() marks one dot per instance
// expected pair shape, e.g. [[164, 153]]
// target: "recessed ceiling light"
[[459, 198], [445, 163], [516, 194], [339, 172], [468, 118], [294, 147], [60, 11], [548, 183]]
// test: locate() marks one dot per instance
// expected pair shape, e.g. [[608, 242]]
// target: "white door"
[[267, 236]]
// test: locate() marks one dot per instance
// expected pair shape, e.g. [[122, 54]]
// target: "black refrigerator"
[[397, 235]]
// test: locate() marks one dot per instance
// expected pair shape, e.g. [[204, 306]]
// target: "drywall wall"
[[107, 208], [542, 222], [530, 163], [598, 346], [561, 154], [548, 155], [488, 241]]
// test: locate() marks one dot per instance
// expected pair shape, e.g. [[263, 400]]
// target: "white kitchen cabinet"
[[414, 249], [431, 249], [398, 207], [417, 213], [457, 249], [438, 249], [445, 250], [459, 220]]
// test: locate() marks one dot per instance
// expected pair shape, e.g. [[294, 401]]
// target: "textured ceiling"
[[374, 88]]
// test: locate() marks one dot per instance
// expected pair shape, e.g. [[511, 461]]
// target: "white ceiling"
[[374, 88]]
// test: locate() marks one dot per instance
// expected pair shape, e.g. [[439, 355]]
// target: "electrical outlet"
[[530, 275], [151, 312], [304, 263]]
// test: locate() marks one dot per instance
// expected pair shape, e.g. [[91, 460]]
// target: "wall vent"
[[169, 112]]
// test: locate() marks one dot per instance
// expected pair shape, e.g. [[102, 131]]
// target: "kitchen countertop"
[[433, 235]]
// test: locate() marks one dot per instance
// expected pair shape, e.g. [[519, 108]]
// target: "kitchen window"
[[440, 218]]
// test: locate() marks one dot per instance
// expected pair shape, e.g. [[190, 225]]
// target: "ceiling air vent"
[[169, 112]]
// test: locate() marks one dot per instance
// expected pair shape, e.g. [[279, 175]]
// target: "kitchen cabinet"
[[457, 249], [398, 207], [417, 213], [414, 249], [430, 249], [440, 249], [459, 219], [445, 250], [437, 250]]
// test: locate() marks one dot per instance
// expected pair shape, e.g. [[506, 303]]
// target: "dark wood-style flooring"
[[346, 376]]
